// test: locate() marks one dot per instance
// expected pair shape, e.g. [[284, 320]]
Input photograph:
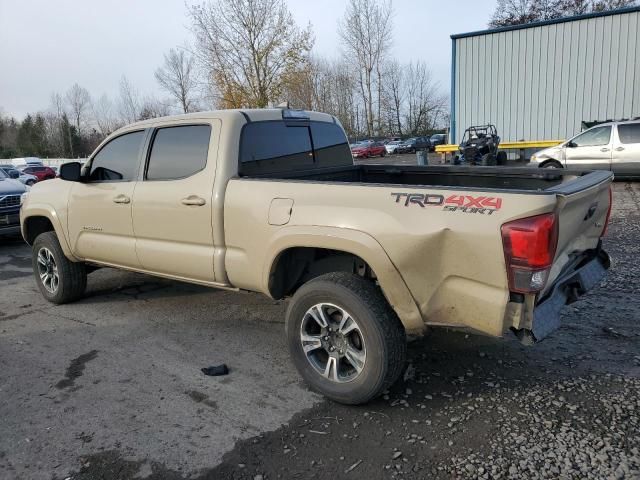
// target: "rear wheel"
[[344, 338], [501, 157], [383, 153], [59, 279], [31, 182]]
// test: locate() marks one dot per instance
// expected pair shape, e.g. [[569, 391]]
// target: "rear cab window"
[[178, 152], [273, 146]]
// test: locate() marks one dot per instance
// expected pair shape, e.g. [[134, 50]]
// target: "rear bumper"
[[566, 290]]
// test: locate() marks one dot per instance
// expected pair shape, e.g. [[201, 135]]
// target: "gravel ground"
[[467, 407]]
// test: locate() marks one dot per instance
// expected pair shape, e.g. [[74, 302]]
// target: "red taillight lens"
[[529, 249], [606, 221]]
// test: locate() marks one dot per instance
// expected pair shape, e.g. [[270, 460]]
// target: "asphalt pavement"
[[110, 387]]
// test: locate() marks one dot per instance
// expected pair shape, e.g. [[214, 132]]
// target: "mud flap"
[[566, 290]]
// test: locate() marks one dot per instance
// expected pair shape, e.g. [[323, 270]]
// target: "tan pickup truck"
[[270, 201]]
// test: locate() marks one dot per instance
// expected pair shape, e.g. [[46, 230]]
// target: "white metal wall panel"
[[542, 82]]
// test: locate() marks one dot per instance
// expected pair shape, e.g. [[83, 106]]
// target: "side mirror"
[[571, 145], [71, 171], [14, 174]]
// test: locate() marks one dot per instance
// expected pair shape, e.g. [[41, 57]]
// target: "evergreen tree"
[[25, 137]]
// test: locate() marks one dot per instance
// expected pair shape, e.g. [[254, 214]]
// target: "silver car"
[[611, 146], [16, 174]]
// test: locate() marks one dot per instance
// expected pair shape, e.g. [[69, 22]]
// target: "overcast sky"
[[47, 45]]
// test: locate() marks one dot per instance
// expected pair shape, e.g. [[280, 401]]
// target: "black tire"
[[381, 330], [31, 182], [551, 164], [72, 276], [384, 152], [501, 158], [487, 160]]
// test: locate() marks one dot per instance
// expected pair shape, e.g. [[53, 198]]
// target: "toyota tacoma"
[[270, 201]]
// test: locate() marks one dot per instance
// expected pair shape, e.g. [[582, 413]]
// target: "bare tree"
[[425, 103], [517, 12], [394, 95], [365, 31], [104, 116], [129, 102], [152, 107], [178, 78], [247, 47], [78, 101]]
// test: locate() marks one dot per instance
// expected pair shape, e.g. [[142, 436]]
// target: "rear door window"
[[118, 159], [178, 152], [629, 133]]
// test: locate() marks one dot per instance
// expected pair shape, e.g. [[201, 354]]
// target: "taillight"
[[529, 249], [606, 221]]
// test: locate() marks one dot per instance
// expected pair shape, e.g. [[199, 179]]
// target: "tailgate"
[[582, 210], [580, 263]]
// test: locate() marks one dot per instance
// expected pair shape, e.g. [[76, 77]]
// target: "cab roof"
[[249, 114]]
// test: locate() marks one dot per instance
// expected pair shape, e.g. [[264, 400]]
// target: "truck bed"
[[518, 179]]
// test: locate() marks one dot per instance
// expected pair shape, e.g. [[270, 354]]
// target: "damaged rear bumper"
[[567, 288]]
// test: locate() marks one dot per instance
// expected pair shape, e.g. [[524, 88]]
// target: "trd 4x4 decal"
[[452, 203]]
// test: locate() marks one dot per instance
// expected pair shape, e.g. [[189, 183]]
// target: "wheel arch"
[[342, 247], [42, 218], [551, 160]]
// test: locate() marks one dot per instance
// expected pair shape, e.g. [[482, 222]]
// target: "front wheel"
[[551, 164], [59, 279], [383, 153], [31, 183], [344, 338]]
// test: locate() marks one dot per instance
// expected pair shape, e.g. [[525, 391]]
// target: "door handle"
[[619, 149], [604, 149], [121, 199], [193, 200]]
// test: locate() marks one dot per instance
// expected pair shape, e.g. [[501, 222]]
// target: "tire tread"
[[73, 275], [393, 333]]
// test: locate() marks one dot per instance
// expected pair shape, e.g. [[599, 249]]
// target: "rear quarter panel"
[[451, 260]]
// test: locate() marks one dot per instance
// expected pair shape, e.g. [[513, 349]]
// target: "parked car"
[[367, 254], [366, 150], [40, 171], [413, 144], [613, 146], [437, 139], [25, 161], [392, 146], [11, 191], [16, 174]]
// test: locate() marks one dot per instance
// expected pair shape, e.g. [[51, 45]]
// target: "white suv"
[[611, 146]]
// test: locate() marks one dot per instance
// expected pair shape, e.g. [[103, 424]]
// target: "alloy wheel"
[[333, 342], [48, 270]]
